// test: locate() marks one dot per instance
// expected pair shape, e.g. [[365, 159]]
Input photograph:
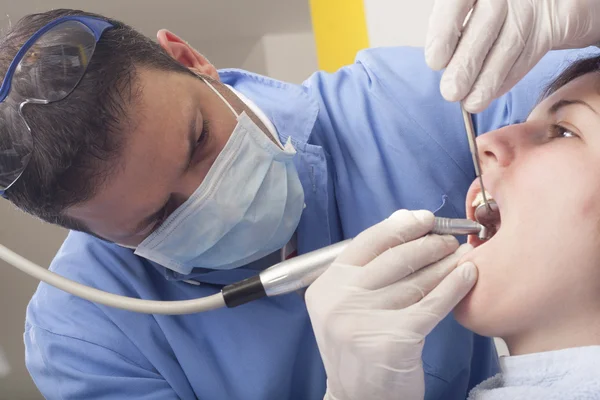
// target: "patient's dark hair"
[[77, 141], [572, 72]]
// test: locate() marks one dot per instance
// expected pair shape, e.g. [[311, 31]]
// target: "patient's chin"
[[471, 314]]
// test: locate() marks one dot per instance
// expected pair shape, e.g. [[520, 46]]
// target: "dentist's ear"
[[185, 54]]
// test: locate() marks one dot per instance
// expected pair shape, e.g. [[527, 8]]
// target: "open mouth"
[[487, 215]]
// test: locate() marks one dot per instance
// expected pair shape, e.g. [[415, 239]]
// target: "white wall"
[[397, 22], [246, 53], [290, 57]]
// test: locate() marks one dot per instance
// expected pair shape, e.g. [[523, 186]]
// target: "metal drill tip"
[[456, 226], [483, 233]]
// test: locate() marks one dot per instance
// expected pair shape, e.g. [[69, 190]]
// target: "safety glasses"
[[47, 68]]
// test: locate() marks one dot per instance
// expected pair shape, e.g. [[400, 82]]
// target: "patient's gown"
[[555, 375]]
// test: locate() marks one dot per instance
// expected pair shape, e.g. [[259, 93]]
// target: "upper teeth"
[[479, 199]]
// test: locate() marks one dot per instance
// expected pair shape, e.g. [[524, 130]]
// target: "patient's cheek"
[[586, 212], [589, 205]]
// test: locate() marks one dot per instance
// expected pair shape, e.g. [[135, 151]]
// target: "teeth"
[[479, 199]]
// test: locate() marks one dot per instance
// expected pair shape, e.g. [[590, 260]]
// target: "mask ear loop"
[[220, 96]]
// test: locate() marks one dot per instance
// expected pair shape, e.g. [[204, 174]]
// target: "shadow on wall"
[[246, 53], [38, 242], [289, 57]]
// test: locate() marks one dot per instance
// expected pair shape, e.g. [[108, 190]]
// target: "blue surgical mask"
[[248, 206]]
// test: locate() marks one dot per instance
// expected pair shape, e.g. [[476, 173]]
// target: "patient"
[[539, 275]]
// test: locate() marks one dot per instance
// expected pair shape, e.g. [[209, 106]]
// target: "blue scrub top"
[[374, 137]]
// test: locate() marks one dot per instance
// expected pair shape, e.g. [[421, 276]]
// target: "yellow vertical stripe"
[[340, 29]]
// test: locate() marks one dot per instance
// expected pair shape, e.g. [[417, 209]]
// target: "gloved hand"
[[373, 307], [501, 42]]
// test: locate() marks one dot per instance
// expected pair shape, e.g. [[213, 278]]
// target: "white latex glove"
[[501, 42], [373, 307]]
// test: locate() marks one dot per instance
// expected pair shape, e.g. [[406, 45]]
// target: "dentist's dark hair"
[[77, 141]]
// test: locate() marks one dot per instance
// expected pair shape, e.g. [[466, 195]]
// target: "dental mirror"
[[488, 216]]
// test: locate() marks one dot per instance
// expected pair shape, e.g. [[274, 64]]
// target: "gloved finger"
[[403, 260], [445, 27], [503, 56], [426, 314], [478, 38], [526, 61], [415, 287], [401, 227], [329, 395]]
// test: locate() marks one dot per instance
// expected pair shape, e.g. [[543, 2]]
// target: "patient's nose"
[[498, 149]]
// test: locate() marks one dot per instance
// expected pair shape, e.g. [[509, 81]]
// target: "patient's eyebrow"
[[564, 103]]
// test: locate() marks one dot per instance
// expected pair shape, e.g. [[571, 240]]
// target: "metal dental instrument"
[[459, 226], [286, 277], [299, 272], [474, 152]]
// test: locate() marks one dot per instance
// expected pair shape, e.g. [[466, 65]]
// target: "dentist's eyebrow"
[[556, 107], [147, 221]]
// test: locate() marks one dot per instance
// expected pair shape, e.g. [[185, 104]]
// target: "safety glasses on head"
[[47, 68]]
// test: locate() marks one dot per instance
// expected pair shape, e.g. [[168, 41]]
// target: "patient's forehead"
[[585, 88]]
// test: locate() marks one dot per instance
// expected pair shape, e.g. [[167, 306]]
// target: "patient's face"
[[540, 270]]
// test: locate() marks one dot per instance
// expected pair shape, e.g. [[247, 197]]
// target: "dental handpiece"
[[458, 226], [288, 276], [299, 272]]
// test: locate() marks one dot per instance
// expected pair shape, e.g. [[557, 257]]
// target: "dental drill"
[[459, 226], [282, 278], [299, 272]]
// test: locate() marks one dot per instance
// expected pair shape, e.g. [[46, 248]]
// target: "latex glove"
[[373, 307], [502, 41]]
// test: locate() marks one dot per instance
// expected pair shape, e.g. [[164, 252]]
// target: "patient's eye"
[[559, 131]]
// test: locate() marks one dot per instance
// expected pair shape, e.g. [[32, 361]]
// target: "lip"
[[473, 191]]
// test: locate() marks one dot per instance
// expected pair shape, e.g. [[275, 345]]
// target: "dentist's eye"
[[204, 133], [161, 218], [559, 131], [165, 213], [200, 145]]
